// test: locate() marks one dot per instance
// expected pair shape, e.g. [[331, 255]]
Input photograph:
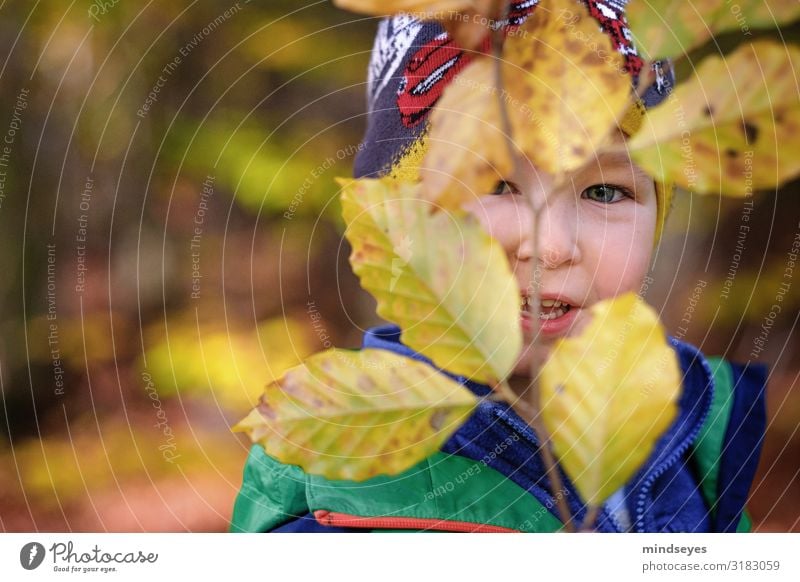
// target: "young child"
[[597, 237]]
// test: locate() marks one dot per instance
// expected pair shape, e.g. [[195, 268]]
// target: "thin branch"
[[534, 389], [529, 410], [498, 38], [591, 518]]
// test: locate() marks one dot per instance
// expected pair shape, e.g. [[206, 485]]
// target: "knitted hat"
[[413, 61]]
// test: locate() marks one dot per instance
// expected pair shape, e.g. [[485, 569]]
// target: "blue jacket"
[[675, 487]]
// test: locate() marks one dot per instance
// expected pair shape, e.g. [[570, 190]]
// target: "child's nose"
[[558, 237]]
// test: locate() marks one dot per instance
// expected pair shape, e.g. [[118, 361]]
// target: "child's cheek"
[[622, 262]]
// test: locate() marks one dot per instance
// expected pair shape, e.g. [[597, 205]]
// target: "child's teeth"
[[550, 308], [558, 309]]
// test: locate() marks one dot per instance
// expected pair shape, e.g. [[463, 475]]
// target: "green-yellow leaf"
[[609, 394], [732, 128], [564, 88], [670, 28], [439, 276], [356, 414]]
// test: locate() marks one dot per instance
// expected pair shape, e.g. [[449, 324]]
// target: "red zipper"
[[333, 518]]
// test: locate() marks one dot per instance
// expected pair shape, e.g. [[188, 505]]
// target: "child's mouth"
[[548, 308], [555, 315]]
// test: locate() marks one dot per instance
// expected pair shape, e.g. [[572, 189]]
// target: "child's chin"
[[545, 344], [526, 359]]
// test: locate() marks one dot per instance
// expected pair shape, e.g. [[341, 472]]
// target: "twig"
[[529, 410], [502, 392], [590, 519], [534, 390], [498, 37]]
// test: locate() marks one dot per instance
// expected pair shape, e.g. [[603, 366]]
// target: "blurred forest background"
[[170, 241]]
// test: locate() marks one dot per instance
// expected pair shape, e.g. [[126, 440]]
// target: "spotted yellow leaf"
[[420, 8], [564, 88], [732, 128], [609, 394], [347, 414], [670, 28], [467, 151], [467, 21], [439, 276]]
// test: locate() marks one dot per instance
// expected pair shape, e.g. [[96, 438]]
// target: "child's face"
[[596, 236]]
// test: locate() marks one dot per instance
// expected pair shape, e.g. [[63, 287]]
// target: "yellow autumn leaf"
[[439, 276], [732, 128], [670, 28], [353, 415], [564, 88], [468, 22], [422, 9], [570, 83], [467, 153], [609, 394]]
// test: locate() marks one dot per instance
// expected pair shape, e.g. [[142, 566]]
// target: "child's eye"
[[504, 187], [605, 193]]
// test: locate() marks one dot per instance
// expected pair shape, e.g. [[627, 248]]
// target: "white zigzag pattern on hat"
[[392, 41]]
